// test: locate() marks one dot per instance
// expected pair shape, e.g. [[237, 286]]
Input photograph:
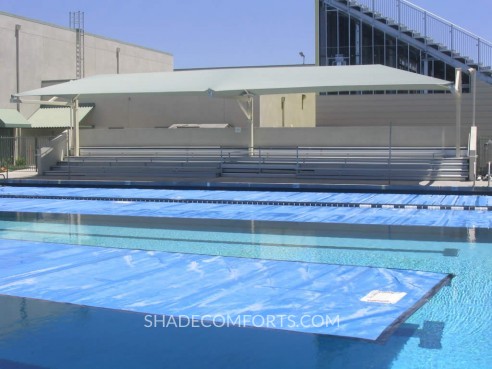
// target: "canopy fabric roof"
[[11, 118], [56, 117], [235, 82]]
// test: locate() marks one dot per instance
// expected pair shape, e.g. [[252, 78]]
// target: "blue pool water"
[[453, 330]]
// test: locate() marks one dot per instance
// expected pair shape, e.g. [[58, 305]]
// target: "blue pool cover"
[[351, 208], [349, 301]]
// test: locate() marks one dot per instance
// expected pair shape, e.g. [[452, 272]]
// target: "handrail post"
[[452, 37], [479, 56], [398, 4], [221, 165], [425, 29], [390, 151], [297, 160], [259, 160]]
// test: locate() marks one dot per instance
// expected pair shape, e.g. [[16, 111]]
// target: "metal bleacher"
[[347, 163]]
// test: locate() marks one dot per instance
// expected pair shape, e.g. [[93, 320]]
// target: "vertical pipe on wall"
[[17, 61], [117, 60]]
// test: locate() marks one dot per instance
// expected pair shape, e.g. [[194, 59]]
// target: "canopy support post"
[[75, 125], [472, 166], [457, 93], [247, 106]]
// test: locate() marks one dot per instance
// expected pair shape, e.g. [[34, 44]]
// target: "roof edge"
[[87, 33]]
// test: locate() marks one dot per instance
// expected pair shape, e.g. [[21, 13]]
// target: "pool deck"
[[30, 178]]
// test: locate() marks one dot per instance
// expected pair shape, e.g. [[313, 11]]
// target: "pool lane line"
[[444, 252], [361, 205]]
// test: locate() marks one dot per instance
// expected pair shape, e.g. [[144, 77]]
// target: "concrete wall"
[[162, 137], [49, 155], [147, 111], [291, 110], [47, 53], [403, 136]]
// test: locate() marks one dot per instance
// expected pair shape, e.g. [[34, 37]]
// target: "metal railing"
[[382, 163], [431, 27], [20, 153]]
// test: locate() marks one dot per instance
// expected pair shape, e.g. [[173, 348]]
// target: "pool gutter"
[[256, 185]]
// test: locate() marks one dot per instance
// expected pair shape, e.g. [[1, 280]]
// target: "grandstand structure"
[[398, 34]]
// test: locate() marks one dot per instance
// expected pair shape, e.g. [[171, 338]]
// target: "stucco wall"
[[47, 52], [290, 110], [147, 111], [401, 136], [418, 110]]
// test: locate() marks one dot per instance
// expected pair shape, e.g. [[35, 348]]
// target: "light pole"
[[301, 54]]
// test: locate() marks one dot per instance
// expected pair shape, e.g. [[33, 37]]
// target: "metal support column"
[[472, 167], [457, 96], [17, 131], [75, 107], [246, 103]]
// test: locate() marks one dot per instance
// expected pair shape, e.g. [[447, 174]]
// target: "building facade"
[[35, 54], [398, 34]]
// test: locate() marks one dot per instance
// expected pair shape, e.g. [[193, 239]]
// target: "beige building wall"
[[47, 53], [150, 111], [164, 137], [289, 110], [423, 111], [367, 136]]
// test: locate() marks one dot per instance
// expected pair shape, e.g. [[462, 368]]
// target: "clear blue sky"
[[213, 33]]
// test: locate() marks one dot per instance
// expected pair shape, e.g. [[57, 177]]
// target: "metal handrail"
[[289, 160], [433, 28]]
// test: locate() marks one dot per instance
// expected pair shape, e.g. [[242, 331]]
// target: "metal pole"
[[473, 130], [399, 15], [457, 91], [17, 61], [75, 106], [473, 75], [117, 60], [489, 173], [390, 152], [17, 131], [251, 121]]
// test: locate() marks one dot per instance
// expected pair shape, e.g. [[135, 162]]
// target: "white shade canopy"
[[233, 82]]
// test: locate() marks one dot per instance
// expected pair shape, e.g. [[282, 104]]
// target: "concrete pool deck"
[[31, 178]]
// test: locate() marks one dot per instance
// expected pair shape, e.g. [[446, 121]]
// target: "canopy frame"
[[242, 84]]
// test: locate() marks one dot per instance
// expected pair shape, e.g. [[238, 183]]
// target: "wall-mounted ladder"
[[77, 24]]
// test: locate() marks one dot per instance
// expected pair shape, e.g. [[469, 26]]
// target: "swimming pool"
[[451, 331]]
